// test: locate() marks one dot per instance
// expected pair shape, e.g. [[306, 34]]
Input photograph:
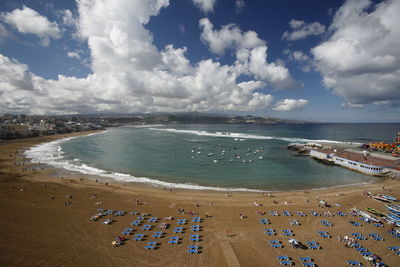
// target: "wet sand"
[[39, 230]]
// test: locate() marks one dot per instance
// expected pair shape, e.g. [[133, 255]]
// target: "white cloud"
[[129, 73], [239, 5], [229, 36], [300, 56], [74, 55], [251, 53], [301, 30], [205, 5], [68, 18], [361, 59], [290, 104], [28, 21]]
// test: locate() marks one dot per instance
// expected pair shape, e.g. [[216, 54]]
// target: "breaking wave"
[[247, 136]]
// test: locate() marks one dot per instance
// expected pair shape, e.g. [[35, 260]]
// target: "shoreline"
[[72, 170], [49, 233]]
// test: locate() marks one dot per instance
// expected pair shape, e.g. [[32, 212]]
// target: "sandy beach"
[[38, 228]]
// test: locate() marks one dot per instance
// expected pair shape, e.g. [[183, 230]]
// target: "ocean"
[[212, 157]]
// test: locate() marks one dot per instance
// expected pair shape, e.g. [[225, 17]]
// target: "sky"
[[325, 61]]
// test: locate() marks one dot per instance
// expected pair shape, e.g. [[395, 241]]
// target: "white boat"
[[393, 217], [350, 164], [260, 157], [392, 222], [366, 215], [209, 154], [393, 208], [381, 198], [390, 198]]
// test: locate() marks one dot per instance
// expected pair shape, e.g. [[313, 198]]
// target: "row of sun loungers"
[[305, 261], [324, 234], [326, 223], [394, 233]]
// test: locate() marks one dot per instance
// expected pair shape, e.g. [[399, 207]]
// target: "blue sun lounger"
[[151, 245], [152, 220], [324, 234], [340, 213], [178, 230], [275, 243], [195, 228], [326, 223], [181, 221], [313, 245], [196, 219], [284, 260], [157, 234], [173, 240], [286, 213], [356, 224], [379, 225], [146, 227], [138, 237], [264, 221], [287, 232], [193, 249], [300, 213], [356, 263], [269, 231], [273, 213], [195, 238], [314, 213], [136, 222]]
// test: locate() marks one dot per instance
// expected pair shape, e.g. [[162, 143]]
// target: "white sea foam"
[[246, 136], [51, 153]]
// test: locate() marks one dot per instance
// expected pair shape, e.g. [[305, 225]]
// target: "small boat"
[[209, 154], [390, 198], [393, 217], [366, 215], [260, 157], [374, 211], [215, 161], [393, 208], [392, 222], [381, 198]]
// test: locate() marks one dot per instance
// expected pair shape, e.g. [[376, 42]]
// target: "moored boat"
[[374, 211], [381, 198], [393, 208], [390, 198], [366, 215], [393, 217]]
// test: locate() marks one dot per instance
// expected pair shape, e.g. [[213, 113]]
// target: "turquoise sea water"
[[219, 156]]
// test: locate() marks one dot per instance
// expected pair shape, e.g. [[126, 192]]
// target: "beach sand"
[[39, 230]]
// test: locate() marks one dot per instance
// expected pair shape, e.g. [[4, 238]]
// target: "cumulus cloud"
[[130, 74], [251, 53], [229, 36], [205, 5], [360, 61], [301, 30], [28, 21], [290, 104]]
